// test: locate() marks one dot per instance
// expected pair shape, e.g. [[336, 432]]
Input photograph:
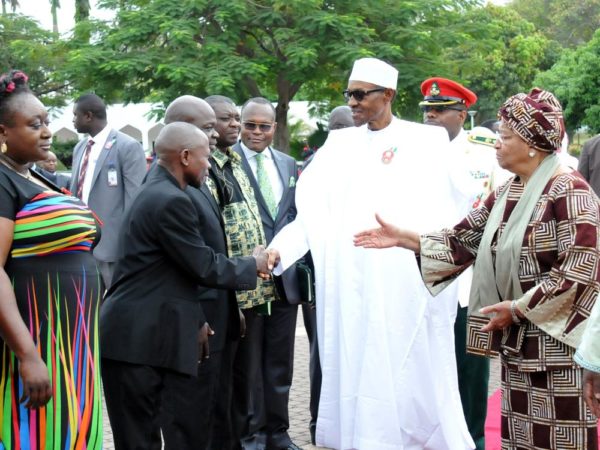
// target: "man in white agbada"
[[386, 346]]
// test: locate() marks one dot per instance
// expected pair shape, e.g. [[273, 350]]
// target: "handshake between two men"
[[266, 260]]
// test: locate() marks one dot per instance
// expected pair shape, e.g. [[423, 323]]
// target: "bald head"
[[340, 117], [48, 164], [176, 137], [195, 111], [183, 150]]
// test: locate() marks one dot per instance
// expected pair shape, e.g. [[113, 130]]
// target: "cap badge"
[[435, 89]]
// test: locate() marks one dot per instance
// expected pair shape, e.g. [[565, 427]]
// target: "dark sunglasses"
[[264, 127], [359, 94], [439, 108]]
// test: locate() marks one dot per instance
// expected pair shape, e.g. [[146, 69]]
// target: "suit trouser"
[[473, 375], [189, 411], [309, 315], [245, 358], [143, 400], [270, 397], [224, 436]]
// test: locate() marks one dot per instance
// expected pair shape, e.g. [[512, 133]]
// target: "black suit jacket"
[[151, 314], [288, 172], [60, 180], [219, 305]]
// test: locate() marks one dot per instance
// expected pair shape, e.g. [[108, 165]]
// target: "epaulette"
[[482, 140]]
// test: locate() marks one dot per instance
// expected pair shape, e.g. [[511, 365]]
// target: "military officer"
[[475, 173]]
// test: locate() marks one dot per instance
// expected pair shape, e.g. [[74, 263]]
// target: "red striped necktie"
[[83, 167]]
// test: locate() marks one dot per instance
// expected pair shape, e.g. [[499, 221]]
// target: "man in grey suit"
[[108, 167], [270, 334], [589, 163]]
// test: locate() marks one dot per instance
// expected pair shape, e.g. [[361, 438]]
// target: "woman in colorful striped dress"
[[50, 393]]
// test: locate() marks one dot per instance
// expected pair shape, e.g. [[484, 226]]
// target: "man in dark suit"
[[198, 396], [151, 321], [231, 187], [108, 167], [270, 339], [589, 163], [47, 168]]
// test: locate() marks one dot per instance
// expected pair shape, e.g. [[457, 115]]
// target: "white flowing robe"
[[386, 346]]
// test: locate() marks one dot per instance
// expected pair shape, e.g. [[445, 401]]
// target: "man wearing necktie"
[[270, 331], [108, 167]]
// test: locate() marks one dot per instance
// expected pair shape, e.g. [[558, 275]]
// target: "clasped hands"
[[266, 260]]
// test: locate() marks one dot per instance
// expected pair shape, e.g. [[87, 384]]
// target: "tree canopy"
[[500, 55], [26, 46], [570, 23], [574, 80], [284, 50], [157, 50]]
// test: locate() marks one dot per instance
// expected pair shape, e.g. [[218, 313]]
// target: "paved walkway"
[[300, 395]]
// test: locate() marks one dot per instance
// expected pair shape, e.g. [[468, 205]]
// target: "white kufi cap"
[[375, 71]]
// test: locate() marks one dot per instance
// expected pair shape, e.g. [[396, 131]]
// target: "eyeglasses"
[[264, 127], [439, 108], [359, 94]]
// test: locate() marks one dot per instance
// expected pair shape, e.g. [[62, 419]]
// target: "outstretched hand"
[[382, 237], [386, 236]]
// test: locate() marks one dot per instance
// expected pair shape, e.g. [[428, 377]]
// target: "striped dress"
[[58, 294]]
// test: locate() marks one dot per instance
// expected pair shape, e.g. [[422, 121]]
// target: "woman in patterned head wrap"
[[536, 246]]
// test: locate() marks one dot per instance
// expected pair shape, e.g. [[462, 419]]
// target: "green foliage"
[[570, 23], [157, 50], [26, 46], [574, 80], [64, 152], [318, 137], [500, 55]]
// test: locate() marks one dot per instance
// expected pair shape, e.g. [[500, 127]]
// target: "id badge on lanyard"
[[112, 176]]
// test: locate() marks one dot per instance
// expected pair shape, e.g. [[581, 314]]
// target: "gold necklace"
[[8, 162]]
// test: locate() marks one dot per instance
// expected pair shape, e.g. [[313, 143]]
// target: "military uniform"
[[475, 174], [474, 178]]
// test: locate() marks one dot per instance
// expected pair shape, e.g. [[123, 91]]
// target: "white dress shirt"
[[99, 143], [270, 167]]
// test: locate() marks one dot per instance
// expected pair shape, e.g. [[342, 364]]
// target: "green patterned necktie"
[[265, 185]]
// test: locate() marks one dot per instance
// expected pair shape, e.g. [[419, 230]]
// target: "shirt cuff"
[[585, 364]]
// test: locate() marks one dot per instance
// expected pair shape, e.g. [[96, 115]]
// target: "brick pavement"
[[300, 394]]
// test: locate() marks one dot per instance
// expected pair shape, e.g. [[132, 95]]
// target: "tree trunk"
[[285, 92], [82, 10], [54, 11], [282, 133], [82, 14]]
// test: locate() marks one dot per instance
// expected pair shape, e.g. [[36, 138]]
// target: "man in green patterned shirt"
[[231, 188]]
